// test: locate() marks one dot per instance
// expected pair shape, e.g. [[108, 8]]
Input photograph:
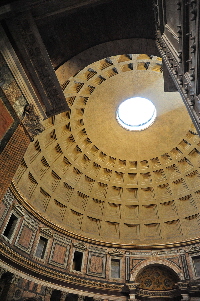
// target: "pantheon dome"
[[99, 201], [98, 181]]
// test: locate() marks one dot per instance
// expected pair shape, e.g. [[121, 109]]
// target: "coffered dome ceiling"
[[89, 176]]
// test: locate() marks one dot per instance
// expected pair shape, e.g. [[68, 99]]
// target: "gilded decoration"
[[155, 278]]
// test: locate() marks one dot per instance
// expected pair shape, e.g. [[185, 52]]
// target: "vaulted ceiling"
[[91, 177]]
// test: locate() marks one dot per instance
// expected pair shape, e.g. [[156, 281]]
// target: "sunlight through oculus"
[[136, 114]]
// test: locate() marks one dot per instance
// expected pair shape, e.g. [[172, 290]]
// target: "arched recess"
[[162, 262], [104, 50], [155, 279]]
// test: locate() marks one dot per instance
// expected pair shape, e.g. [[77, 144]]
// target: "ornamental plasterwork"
[[19, 209], [46, 231], [80, 245], [116, 252], [194, 249]]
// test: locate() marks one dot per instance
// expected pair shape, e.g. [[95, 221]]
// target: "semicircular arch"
[[156, 262], [101, 51]]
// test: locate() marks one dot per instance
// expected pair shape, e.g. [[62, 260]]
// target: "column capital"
[[183, 286], [2, 271], [133, 286], [185, 297], [63, 296], [81, 298], [48, 291], [97, 299]]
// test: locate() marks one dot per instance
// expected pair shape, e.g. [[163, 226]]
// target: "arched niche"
[[107, 49], [156, 281], [156, 262], [157, 277]]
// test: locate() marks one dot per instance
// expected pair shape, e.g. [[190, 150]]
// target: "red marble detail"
[[25, 237], [6, 119], [96, 264], [59, 254]]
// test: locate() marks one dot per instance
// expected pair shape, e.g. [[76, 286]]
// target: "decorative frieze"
[[19, 209], [80, 246], [46, 231], [8, 197], [194, 249], [116, 252]]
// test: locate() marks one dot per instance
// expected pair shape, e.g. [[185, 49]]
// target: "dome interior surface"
[[89, 176]]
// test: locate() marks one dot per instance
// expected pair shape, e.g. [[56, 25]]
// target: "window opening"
[[56, 295], [77, 261], [41, 248], [196, 261], [10, 226], [71, 297], [115, 268]]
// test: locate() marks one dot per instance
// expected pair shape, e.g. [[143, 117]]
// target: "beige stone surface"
[[100, 122], [88, 175]]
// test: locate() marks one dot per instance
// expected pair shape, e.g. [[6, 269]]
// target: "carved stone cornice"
[[183, 286], [80, 246], [18, 73], [181, 52], [133, 287], [116, 252], [194, 287], [194, 249], [171, 293]]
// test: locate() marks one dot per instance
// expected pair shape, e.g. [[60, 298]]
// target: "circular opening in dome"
[[136, 114]]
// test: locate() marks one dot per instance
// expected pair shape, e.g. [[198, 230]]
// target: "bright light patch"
[[136, 114]]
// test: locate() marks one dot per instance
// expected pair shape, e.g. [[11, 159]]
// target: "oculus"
[[136, 114]]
